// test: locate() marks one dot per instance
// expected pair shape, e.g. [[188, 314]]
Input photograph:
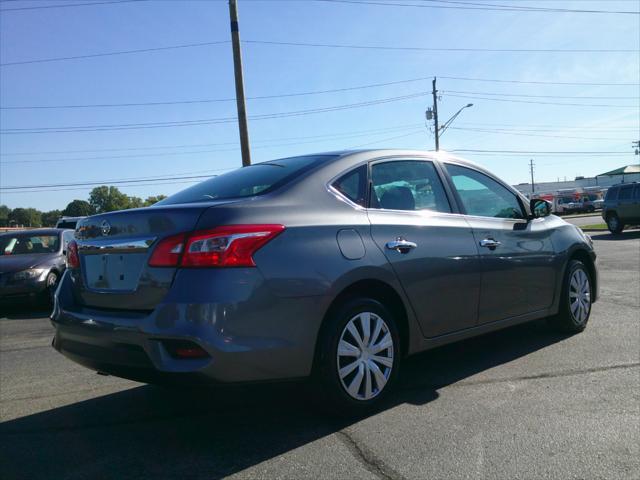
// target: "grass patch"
[[595, 226]]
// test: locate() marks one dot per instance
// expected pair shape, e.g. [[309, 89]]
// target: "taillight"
[[167, 253], [228, 246], [73, 260]]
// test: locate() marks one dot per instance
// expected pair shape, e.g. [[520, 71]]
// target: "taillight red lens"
[[168, 252], [73, 260], [228, 246]]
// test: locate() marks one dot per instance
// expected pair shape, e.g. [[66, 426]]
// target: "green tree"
[[107, 199], [78, 208], [135, 202], [27, 217], [153, 199], [50, 218], [4, 215]]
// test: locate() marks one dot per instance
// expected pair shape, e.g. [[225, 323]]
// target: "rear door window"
[[407, 185], [636, 192], [256, 179]]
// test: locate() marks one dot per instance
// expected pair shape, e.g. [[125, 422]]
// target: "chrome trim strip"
[[99, 246]]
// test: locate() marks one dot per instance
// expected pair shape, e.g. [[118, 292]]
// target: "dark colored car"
[[334, 266], [68, 222], [32, 262], [622, 206]]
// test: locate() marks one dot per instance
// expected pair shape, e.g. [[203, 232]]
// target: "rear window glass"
[[353, 185], [625, 193], [67, 224], [248, 181]]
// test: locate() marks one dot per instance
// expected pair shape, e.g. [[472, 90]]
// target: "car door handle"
[[401, 245], [490, 243]]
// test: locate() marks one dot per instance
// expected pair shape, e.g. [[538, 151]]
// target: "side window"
[[407, 185], [636, 192], [612, 194], [67, 236], [625, 192], [353, 185], [482, 196]]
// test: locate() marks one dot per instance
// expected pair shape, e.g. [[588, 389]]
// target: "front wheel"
[[613, 223], [575, 304], [51, 283], [358, 356]]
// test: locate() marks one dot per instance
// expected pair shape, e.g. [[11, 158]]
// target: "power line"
[[538, 96], [355, 133], [107, 54], [456, 5], [553, 127], [535, 82], [260, 97], [67, 5], [321, 45], [513, 100], [526, 152], [528, 134], [439, 49], [91, 187], [154, 155], [333, 90], [205, 121], [112, 182]]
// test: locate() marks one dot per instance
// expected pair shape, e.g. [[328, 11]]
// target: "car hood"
[[15, 263]]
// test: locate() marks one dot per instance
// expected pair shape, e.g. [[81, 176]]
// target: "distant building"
[[629, 173]]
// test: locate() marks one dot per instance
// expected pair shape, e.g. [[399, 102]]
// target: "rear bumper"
[[249, 334]]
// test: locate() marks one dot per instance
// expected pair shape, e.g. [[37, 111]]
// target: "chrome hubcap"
[[579, 296], [365, 356]]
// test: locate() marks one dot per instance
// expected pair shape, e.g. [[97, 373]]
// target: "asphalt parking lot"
[[520, 403]]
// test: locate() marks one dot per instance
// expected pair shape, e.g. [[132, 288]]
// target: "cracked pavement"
[[520, 403]]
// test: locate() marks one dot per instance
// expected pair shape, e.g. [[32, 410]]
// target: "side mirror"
[[539, 208]]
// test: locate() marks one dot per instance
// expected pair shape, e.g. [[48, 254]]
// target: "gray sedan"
[[31, 262], [332, 266]]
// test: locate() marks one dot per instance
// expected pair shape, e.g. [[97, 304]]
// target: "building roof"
[[622, 170]]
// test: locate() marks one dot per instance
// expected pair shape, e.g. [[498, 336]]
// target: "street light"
[[448, 122]]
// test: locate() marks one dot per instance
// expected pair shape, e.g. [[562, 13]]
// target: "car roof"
[[36, 231]]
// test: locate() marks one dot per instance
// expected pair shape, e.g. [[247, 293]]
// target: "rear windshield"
[[256, 179], [67, 224]]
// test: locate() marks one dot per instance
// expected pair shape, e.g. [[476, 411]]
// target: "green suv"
[[622, 206]]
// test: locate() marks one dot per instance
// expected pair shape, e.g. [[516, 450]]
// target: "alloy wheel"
[[365, 356], [580, 296]]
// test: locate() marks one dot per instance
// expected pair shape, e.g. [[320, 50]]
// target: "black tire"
[[328, 389], [566, 320], [614, 224], [51, 283]]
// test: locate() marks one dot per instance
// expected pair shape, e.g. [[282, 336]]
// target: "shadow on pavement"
[[151, 432], [13, 310], [625, 235]]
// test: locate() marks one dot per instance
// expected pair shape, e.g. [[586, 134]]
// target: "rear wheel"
[[613, 223], [358, 356], [575, 304]]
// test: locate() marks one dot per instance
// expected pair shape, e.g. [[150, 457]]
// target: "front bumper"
[[16, 289], [249, 334]]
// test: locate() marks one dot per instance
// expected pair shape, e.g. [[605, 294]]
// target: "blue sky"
[[206, 72]]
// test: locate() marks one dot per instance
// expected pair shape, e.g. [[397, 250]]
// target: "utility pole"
[[531, 165], [237, 64], [435, 114], [636, 145]]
